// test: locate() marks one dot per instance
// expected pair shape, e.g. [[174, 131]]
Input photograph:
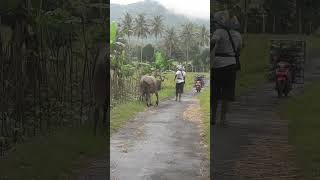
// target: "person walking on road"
[[225, 45], [180, 78]]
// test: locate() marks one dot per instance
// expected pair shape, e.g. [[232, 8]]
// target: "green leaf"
[[113, 32]]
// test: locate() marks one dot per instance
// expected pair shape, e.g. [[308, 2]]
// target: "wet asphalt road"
[[158, 145]]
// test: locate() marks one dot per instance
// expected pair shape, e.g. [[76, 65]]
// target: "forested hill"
[[152, 8]]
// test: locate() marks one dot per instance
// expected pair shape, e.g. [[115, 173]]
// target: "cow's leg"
[[147, 99], [150, 99], [157, 102]]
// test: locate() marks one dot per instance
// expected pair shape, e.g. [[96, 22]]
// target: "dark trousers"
[[179, 88], [223, 88]]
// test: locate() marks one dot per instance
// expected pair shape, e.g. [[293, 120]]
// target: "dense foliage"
[[131, 57], [274, 16], [48, 51]]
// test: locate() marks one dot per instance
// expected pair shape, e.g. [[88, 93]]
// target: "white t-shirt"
[[180, 75]]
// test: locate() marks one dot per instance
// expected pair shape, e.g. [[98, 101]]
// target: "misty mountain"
[[151, 8]]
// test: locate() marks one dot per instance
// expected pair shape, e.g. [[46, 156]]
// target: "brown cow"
[[148, 86]]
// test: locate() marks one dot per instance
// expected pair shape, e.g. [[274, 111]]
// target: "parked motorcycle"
[[283, 78]]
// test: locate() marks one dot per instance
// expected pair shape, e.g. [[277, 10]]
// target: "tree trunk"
[[154, 48], [310, 27], [245, 16], [141, 49], [187, 54], [300, 20], [129, 49], [84, 68], [246, 24], [263, 23], [274, 24]]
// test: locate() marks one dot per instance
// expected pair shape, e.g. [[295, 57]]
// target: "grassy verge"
[[204, 98], [303, 115], [122, 113], [54, 156]]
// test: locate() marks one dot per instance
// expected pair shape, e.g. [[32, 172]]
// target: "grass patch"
[[254, 62], [303, 115], [52, 156], [121, 113], [204, 98]]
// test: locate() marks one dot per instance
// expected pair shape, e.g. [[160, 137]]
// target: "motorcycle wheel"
[[279, 93], [286, 91], [280, 88]]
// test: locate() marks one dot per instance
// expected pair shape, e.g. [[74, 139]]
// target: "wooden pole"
[[263, 22]]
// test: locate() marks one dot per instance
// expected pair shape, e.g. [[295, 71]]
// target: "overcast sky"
[[192, 8]]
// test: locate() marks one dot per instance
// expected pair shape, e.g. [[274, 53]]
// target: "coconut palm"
[[187, 36], [157, 26], [141, 30], [204, 36], [170, 39], [127, 27]]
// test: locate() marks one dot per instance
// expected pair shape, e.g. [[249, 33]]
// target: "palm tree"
[[204, 36], [187, 36], [157, 27], [127, 26], [171, 39], [141, 29]]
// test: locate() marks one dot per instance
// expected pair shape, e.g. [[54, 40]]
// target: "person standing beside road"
[[227, 43], [180, 80]]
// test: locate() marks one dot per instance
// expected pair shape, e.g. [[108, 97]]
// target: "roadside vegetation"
[[185, 44], [48, 51], [204, 98], [53, 156], [303, 114]]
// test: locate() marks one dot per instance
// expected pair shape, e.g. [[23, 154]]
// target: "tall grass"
[[52, 157], [303, 114], [204, 98]]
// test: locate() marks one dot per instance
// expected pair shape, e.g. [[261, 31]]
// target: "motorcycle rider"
[[290, 75]]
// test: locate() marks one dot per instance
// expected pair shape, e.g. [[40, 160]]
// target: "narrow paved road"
[[159, 144], [255, 145]]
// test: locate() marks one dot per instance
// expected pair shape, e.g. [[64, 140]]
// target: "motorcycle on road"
[[286, 64], [283, 78], [198, 85]]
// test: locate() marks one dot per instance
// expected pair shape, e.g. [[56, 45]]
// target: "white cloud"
[[192, 8]]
